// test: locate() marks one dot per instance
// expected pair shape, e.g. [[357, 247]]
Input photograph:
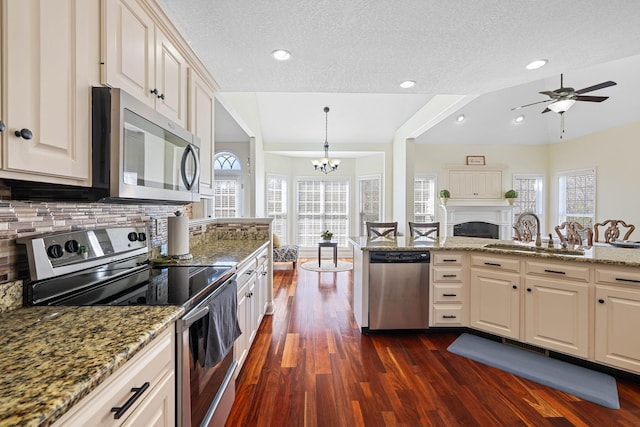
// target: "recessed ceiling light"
[[519, 119], [281, 54], [407, 84], [460, 118], [534, 65]]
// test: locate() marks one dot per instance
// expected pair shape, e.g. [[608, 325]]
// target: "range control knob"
[[142, 237], [72, 246], [55, 251], [132, 236]]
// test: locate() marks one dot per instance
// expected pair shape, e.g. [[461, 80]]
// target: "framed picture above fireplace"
[[475, 161]]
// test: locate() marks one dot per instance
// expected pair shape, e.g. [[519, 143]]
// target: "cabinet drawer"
[[443, 274], [558, 271], [497, 262], [619, 276], [151, 365], [445, 258], [447, 294], [448, 315]]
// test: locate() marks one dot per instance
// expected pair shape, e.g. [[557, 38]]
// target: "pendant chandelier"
[[326, 164]]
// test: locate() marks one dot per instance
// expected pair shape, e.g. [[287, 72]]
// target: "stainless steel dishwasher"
[[398, 290]]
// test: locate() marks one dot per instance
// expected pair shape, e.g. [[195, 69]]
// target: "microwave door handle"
[[183, 166]]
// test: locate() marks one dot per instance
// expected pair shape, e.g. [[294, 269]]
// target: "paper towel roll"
[[178, 228]]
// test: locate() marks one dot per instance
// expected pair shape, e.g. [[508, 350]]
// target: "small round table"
[[329, 244]]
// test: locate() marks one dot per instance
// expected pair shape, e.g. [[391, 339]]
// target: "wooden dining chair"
[[382, 229], [524, 229], [612, 231], [424, 229], [572, 233]]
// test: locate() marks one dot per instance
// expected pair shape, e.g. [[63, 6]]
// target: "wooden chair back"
[[573, 232], [424, 229], [384, 229], [612, 230], [524, 230]]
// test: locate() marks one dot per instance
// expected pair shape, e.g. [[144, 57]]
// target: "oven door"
[[205, 393]]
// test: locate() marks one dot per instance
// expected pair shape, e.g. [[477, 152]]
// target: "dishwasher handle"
[[399, 257]]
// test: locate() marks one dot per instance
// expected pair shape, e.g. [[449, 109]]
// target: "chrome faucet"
[[538, 239]]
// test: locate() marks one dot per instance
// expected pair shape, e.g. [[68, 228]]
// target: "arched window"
[[228, 185]]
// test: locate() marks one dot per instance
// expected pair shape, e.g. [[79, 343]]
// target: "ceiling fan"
[[563, 98]]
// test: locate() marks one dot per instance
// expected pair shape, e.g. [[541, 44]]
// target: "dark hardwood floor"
[[311, 366]]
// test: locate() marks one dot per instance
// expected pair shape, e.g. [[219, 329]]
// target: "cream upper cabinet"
[[140, 59], [50, 61], [470, 184], [201, 123], [495, 295]]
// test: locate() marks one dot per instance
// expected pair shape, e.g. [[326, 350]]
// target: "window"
[[530, 189], [322, 205], [577, 197], [424, 198], [277, 205], [227, 192], [370, 201]]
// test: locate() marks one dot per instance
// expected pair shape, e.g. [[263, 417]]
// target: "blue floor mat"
[[581, 382]]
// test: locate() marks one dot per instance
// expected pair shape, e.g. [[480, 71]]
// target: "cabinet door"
[[617, 320], [47, 86], [201, 123], [488, 185], [158, 409], [461, 185], [557, 315], [495, 302], [241, 347], [129, 49], [170, 80]]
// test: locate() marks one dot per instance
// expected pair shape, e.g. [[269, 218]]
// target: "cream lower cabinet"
[[617, 316], [448, 291], [495, 295], [153, 367], [557, 306], [50, 60]]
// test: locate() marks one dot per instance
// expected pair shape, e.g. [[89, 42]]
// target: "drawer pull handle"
[[449, 295], [450, 316], [137, 392], [622, 279], [449, 275], [554, 271], [493, 264], [449, 260]]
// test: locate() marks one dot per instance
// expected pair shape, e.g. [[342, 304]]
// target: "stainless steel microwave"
[[138, 154]]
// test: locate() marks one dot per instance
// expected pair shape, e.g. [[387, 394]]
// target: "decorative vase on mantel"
[[443, 200], [511, 200]]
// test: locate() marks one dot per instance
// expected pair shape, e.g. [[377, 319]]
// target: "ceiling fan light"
[[561, 106]]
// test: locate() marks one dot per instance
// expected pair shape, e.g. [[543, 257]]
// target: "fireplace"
[[477, 229], [482, 218]]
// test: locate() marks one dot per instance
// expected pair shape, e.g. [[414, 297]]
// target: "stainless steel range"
[[110, 266]]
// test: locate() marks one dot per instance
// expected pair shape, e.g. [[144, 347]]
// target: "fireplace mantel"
[[499, 213]]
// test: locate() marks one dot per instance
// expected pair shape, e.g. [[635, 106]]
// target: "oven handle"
[[194, 316]]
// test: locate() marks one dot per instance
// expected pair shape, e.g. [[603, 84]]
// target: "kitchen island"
[[582, 302]]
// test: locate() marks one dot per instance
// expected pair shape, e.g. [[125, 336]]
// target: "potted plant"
[[511, 196], [444, 196], [326, 235]]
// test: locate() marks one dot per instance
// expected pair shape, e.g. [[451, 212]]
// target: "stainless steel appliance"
[[109, 266], [398, 290]]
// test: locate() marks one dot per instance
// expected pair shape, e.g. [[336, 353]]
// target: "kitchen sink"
[[533, 249]]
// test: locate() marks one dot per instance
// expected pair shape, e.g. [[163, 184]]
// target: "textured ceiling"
[[342, 50]]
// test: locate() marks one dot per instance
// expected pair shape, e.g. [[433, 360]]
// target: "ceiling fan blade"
[[550, 93], [591, 98], [533, 103], [596, 87]]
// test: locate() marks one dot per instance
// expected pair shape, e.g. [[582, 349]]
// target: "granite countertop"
[[50, 361], [215, 252], [601, 254]]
